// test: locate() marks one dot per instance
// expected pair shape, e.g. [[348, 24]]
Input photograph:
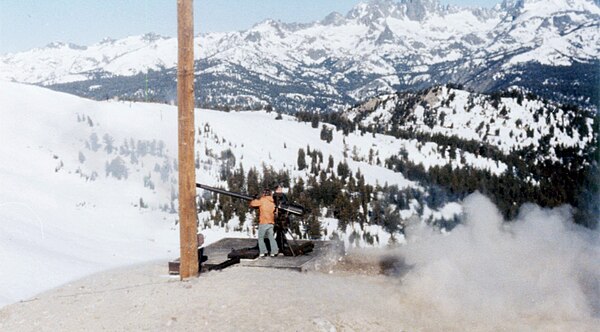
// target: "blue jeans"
[[266, 229]]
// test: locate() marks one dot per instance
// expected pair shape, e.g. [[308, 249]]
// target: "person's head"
[[278, 188], [267, 192]]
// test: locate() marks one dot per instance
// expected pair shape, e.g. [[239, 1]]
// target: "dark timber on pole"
[[187, 176]]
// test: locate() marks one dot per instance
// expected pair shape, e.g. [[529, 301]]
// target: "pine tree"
[[342, 210], [343, 170], [299, 186], [301, 159], [314, 121], [252, 181], [226, 207], [326, 134], [314, 227]]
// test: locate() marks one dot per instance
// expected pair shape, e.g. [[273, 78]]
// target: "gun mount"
[[284, 210], [300, 255]]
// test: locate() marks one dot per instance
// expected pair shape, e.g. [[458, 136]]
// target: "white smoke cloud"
[[540, 271]]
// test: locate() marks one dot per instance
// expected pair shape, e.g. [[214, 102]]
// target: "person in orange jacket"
[[266, 221]]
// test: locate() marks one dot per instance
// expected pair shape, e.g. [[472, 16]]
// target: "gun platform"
[[219, 256]]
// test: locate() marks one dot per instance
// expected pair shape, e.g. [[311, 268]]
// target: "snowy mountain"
[[550, 47], [508, 122], [543, 152]]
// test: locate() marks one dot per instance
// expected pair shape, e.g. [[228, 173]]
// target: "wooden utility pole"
[[187, 174]]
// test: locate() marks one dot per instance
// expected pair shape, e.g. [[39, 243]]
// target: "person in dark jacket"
[[201, 257], [282, 218]]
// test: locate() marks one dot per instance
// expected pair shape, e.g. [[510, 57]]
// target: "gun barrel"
[[224, 192], [291, 208]]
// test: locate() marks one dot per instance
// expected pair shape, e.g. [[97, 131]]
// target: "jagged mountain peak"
[[371, 11], [387, 36], [55, 44], [152, 37], [107, 41], [279, 28], [510, 4], [555, 5], [334, 19], [61, 45], [267, 27], [417, 10]]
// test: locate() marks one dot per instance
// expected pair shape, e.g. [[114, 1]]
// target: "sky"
[[27, 24]]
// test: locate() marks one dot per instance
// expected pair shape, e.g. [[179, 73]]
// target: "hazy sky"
[[25, 24]]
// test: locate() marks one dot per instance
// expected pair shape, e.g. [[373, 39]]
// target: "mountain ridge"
[[378, 47]]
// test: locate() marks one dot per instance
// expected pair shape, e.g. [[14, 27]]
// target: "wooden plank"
[[219, 253], [174, 267], [225, 264]]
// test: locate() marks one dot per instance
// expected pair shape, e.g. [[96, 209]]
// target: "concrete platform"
[[324, 253]]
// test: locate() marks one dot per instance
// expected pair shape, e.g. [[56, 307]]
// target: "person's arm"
[[255, 203]]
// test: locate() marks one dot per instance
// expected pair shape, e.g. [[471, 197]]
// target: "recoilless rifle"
[[292, 208], [284, 210]]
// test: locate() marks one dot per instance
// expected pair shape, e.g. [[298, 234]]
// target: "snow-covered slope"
[[90, 185], [378, 47], [509, 122], [58, 219], [530, 149]]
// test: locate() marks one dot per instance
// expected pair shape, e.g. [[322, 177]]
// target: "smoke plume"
[[539, 269]]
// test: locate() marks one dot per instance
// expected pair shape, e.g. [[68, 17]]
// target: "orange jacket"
[[266, 209]]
